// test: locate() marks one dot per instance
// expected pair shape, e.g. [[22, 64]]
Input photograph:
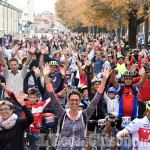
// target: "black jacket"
[[13, 139], [99, 113]]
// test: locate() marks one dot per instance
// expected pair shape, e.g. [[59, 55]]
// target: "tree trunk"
[[146, 32], [132, 31], [119, 31]]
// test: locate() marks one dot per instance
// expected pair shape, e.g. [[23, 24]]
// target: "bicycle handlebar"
[[92, 121], [39, 127]]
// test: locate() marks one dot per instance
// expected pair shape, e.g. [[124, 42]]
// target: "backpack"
[[123, 87]]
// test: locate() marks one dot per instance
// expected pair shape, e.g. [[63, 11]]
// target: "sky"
[[44, 5]]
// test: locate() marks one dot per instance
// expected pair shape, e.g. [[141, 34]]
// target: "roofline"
[[10, 6]]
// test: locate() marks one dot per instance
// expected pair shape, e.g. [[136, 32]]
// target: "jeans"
[[34, 140], [17, 109], [126, 144], [141, 109]]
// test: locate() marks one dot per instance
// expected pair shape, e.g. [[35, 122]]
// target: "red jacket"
[[36, 110]]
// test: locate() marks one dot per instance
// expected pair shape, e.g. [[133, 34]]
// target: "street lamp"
[[93, 25], [117, 16]]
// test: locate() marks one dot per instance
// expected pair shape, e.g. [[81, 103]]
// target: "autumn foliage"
[[72, 13]]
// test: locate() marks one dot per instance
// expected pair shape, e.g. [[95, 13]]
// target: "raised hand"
[[127, 62], [133, 68], [65, 90], [86, 40], [105, 48], [106, 73], [62, 71], [87, 62], [20, 99], [69, 43], [97, 43], [39, 47], [64, 51], [52, 43], [36, 71], [75, 54], [46, 69], [32, 50]]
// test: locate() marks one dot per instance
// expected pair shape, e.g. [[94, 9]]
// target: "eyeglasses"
[[128, 78], [5, 109], [83, 56], [74, 100], [53, 67]]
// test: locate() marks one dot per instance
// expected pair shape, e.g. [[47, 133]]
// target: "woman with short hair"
[[73, 121], [11, 127]]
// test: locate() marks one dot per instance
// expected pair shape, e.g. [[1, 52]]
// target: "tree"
[[88, 13], [133, 13]]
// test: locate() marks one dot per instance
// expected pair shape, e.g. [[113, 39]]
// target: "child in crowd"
[[85, 99], [112, 100]]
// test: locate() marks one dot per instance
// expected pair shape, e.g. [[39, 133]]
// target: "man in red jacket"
[[144, 95]]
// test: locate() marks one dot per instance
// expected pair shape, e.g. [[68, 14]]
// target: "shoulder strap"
[[62, 122], [84, 118], [133, 89], [121, 90]]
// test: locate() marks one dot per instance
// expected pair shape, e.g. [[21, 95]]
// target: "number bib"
[[101, 122], [49, 119]]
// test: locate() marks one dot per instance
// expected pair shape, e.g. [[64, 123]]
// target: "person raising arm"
[[72, 125]]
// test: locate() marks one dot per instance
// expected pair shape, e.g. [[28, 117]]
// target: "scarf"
[[9, 123]]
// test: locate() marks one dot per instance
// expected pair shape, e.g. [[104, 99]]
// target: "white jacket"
[[112, 104], [140, 130]]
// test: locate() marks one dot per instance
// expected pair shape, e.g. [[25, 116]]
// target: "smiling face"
[[120, 60], [74, 102], [96, 85], [53, 69], [5, 111], [85, 93]]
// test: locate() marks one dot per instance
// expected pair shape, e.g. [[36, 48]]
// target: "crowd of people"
[[79, 77]]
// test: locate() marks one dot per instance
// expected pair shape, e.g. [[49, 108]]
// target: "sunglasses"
[[128, 78], [5, 109]]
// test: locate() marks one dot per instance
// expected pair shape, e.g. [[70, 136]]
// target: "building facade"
[[10, 16], [44, 21], [28, 15]]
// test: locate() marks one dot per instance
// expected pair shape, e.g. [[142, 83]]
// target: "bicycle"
[[48, 139], [98, 138], [125, 122], [49, 127], [26, 142]]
